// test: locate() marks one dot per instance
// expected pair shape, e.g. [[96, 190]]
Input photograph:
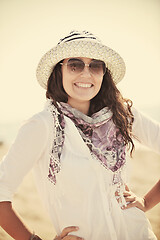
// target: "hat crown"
[[79, 35], [80, 44]]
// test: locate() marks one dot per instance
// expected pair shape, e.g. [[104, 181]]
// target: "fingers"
[[64, 234], [57, 238], [116, 193], [68, 237], [126, 194], [68, 230], [137, 202], [130, 199], [72, 237], [127, 188], [129, 205]]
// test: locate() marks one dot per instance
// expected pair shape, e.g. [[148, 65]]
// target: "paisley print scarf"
[[98, 132]]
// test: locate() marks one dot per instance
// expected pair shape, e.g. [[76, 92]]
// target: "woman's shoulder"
[[39, 122], [44, 116], [140, 116]]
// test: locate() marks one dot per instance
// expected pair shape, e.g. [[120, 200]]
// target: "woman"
[[78, 146]]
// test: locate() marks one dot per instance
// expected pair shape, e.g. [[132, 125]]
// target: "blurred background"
[[29, 28]]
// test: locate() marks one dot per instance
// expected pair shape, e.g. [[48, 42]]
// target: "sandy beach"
[[145, 173]]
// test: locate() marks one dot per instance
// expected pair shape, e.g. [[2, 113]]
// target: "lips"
[[83, 85]]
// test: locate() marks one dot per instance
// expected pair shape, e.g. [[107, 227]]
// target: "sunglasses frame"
[[86, 65]]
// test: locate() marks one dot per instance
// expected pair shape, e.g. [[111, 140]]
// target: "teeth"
[[84, 85]]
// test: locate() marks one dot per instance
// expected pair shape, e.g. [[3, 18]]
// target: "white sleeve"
[[25, 151], [146, 130]]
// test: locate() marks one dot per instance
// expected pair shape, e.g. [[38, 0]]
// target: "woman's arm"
[[11, 222], [19, 160], [146, 130], [151, 199]]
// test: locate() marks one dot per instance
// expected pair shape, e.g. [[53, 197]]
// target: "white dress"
[[84, 194]]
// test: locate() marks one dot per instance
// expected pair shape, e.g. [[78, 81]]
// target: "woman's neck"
[[80, 106]]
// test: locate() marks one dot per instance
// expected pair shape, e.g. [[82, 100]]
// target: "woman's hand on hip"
[[133, 200], [64, 234]]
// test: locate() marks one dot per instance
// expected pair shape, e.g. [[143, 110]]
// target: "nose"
[[86, 70]]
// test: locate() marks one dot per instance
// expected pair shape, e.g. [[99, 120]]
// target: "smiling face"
[[81, 86]]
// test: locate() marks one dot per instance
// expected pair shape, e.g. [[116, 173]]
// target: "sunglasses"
[[76, 66]]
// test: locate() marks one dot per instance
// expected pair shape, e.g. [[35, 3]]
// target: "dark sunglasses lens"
[[75, 65], [98, 67]]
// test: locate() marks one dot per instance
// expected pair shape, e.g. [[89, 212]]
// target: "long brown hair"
[[108, 96]]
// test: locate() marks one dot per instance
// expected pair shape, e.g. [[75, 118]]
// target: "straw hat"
[[80, 44]]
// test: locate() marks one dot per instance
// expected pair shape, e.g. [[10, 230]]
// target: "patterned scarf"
[[98, 132]]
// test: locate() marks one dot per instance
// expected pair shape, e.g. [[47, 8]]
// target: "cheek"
[[64, 80], [64, 83], [99, 82]]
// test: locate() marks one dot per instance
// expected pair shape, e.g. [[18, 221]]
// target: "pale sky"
[[29, 28]]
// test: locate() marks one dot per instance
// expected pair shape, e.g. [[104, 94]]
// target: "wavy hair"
[[108, 96]]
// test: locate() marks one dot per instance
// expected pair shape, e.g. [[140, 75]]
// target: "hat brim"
[[89, 49]]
